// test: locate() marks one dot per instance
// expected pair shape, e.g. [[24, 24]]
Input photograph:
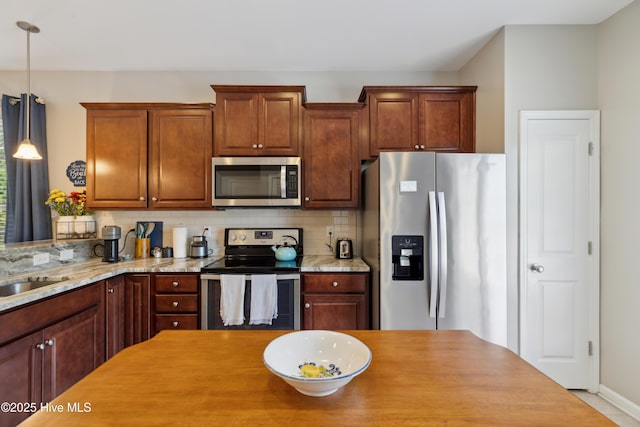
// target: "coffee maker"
[[110, 235]]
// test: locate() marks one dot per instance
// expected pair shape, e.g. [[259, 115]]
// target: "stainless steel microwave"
[[246, 182]]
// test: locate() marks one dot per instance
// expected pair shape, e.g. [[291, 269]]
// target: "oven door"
[[288, 303]]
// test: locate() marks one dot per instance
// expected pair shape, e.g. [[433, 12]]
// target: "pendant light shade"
[[26, 150]]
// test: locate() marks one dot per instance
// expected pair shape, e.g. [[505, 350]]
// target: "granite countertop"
[[79, 274]]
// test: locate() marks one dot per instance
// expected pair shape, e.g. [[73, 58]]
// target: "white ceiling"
[[271, 35]]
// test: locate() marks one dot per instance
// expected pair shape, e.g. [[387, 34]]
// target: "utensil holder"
[[143, 247]]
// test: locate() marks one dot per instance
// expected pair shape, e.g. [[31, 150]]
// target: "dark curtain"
[[28, 218]]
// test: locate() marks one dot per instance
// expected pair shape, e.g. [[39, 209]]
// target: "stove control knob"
[[243, 237], [233, 237]]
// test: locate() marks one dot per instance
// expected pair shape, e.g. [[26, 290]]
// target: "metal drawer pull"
[[40, 346], [49, 341], [175, 303], [175, 324], [175, 284], [335, 284], [307, 305], [110, 290]]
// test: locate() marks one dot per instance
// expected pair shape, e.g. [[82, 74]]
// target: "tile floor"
[[607, 409]]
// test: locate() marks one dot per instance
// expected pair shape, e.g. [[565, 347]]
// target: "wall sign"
[[77, 173]]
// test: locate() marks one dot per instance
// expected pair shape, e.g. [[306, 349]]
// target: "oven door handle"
[[286, 276]]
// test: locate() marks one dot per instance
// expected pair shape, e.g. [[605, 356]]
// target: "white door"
[[559, 205]]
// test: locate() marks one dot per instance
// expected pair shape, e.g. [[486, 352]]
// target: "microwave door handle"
[[283, 182]]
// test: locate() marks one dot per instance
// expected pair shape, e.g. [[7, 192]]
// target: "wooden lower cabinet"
[[335, 301], [51, 345], [115, 318], [176, 301], [137, 303]]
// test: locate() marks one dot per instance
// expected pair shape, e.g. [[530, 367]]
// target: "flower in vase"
[[59, 202]]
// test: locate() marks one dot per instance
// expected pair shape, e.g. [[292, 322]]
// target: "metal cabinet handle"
[[335, 284], [154, 199], [307, 305], [175, 284], [49, 342], [41, 346], [417, 147], [254, 146], [259, 145], [175, 324], [110, 290], [306, 199], [175, 303], [422, 147], [141, 198], [537, 268]]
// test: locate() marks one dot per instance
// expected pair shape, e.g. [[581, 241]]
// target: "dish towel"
[[232, 299], [264, 299]]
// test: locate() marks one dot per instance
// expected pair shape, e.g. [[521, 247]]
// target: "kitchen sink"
[[18, 287]]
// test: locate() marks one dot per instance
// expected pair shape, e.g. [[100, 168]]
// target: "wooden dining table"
[[422, 378]]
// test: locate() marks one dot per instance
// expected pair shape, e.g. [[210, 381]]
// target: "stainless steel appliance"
[[434, 233], [344, 249], [111, 234], [248, 251], [199, 247], [256, 182]]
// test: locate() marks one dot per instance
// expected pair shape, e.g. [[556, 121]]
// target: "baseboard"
[[619, 401]]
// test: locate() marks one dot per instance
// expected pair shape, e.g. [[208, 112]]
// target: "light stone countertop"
[[79, 274]]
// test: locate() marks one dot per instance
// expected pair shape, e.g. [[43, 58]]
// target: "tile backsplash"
[[313, 223]]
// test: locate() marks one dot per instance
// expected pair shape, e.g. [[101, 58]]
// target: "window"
[[3, 186]]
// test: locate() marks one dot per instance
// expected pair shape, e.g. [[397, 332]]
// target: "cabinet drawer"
[[176, 321], [335, 283], [176, 283], [177, 303]]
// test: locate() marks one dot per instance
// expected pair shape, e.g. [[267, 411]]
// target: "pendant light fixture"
[[26, 150]]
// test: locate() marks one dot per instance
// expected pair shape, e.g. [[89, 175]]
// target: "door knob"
[[537, 268]]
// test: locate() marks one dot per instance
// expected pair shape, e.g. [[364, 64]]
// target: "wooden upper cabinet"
[[331, 155], [137, 155], [417, 118], [258, 120], [116, 158], [180, 151]]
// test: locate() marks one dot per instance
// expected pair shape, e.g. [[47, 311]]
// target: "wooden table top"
[[202, 378]]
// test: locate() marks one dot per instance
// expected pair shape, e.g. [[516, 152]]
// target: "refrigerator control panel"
[[407, 256]]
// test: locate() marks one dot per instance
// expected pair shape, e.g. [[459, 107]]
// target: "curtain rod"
[[14, 101]]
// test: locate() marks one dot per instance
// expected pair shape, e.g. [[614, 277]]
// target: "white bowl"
[[342, 355]]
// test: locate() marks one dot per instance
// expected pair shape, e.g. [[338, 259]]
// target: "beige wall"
[[486, 70], [619, 99]]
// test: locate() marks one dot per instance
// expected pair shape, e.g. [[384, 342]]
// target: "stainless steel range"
[[248, 252]]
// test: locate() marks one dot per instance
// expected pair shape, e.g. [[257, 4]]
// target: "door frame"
[[594, 226]]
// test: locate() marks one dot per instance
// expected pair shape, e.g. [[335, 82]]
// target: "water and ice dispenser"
[[407, 256]]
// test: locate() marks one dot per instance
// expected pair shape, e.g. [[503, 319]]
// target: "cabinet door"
[[447, 121], [75, 347], [331, 158], [137, 308], [279, 124], [334, 311], [236, 124], [116, 158], [21, 376], [115, 315], [393, 122], [180, 150]]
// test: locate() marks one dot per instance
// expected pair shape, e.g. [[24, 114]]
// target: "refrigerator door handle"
[[442, 224], [434, 252]]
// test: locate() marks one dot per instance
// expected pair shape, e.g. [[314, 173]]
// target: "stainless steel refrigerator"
[[434, 234]]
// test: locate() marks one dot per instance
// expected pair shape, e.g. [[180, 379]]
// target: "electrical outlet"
[[66, 254], [207, 231], [39, 259], [330, 232]]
